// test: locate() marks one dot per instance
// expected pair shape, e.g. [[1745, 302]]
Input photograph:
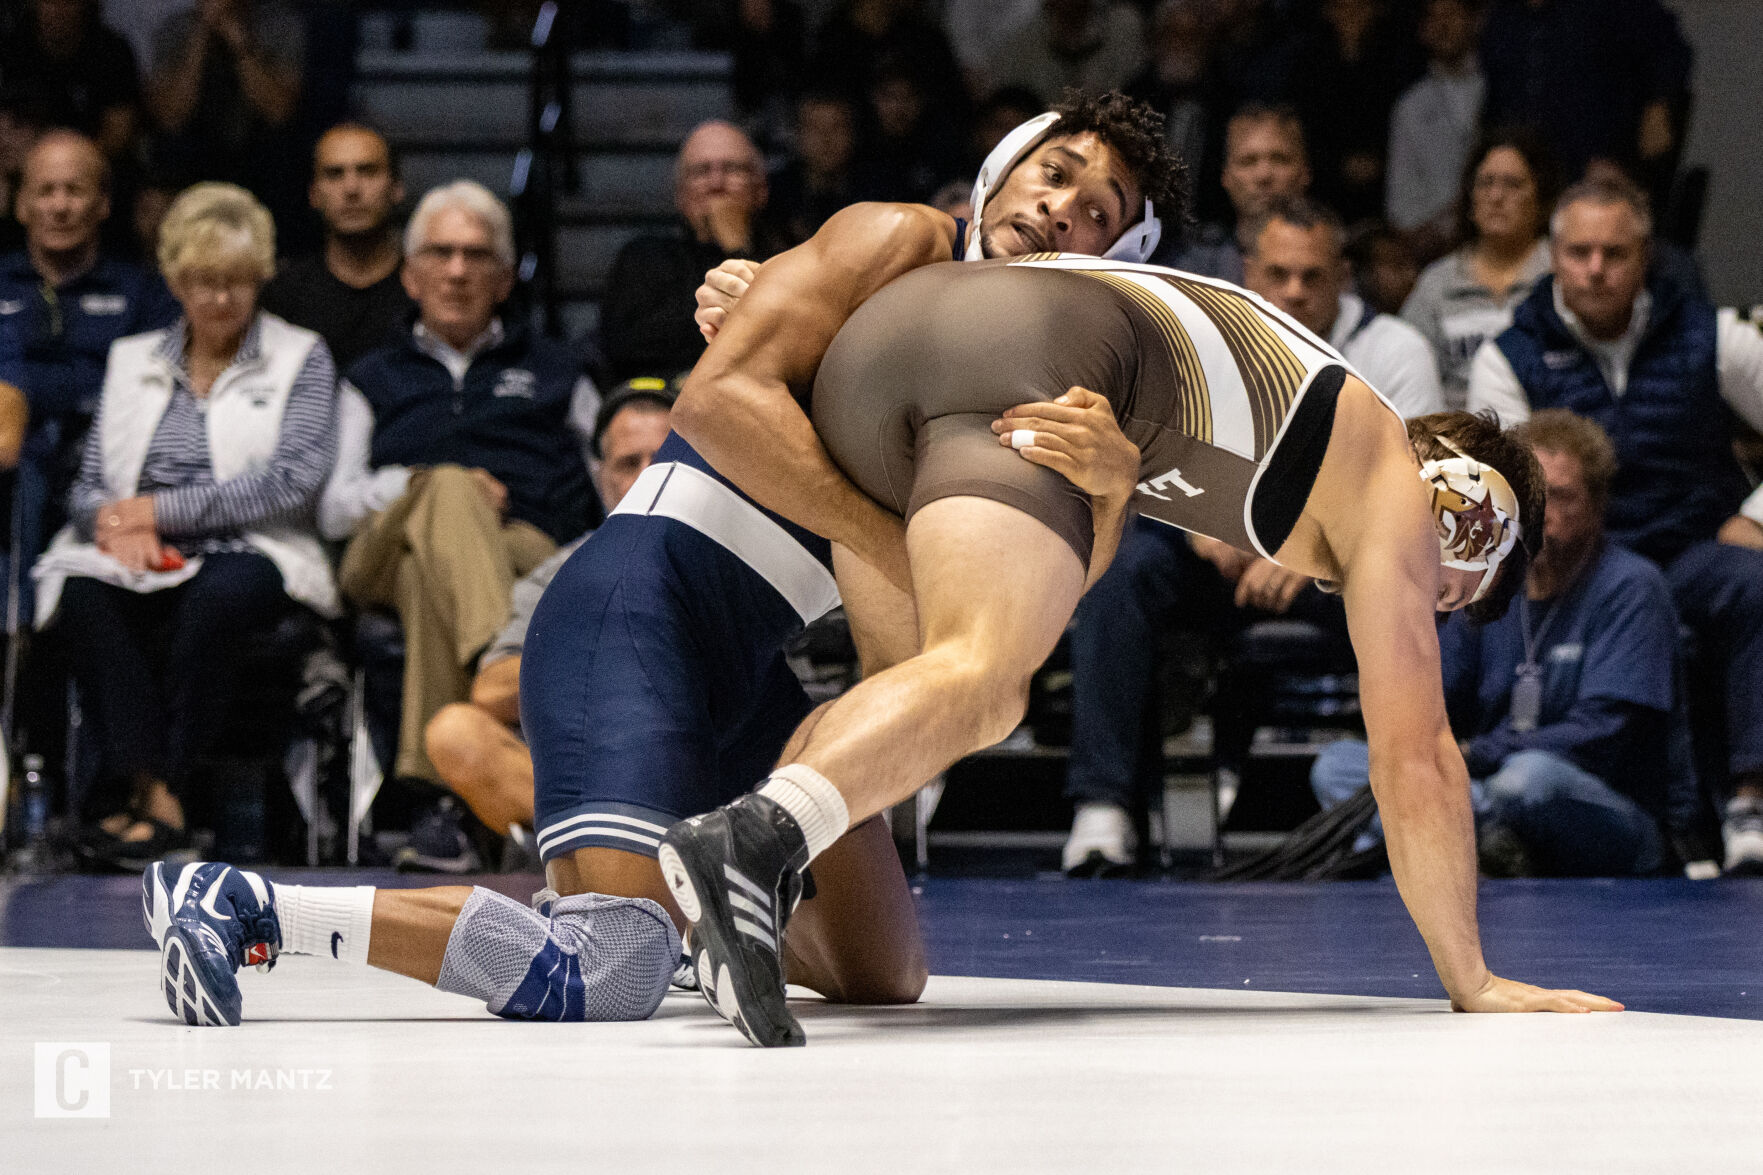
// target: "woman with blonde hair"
[[193, 516]]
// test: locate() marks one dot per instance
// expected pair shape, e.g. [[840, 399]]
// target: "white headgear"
[[1476, 513], [1136, 244]]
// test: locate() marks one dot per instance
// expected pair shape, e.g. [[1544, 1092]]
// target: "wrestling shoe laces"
[[208, 921], [737, 875]]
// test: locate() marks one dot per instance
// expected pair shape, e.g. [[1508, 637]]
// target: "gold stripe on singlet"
[[1195, 404], [1272, 373]]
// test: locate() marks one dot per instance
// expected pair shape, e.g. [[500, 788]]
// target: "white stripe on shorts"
[[646, 832], [691, 496]]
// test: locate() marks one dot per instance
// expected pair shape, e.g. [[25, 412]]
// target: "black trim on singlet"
[[960, 238], [1285, 486]]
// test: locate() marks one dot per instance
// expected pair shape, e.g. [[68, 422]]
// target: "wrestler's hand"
[[1230, 562], [723, 287], [1266, 585], [1508, 995], [1077, 436]]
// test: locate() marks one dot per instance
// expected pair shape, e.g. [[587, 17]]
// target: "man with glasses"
[[719, 191], [477, 466]]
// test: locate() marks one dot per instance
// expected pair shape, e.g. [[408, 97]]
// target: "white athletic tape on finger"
[[1021, 438]]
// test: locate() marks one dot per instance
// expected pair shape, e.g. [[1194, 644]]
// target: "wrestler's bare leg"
[[994, 590]]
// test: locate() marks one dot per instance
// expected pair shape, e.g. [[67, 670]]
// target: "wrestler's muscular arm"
[[737, 408], [1389, 579]]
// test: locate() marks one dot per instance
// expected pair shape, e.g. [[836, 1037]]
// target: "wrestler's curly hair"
[[1135, 131], [1480, 436]]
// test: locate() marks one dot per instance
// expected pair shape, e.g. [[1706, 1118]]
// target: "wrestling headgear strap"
[[1476, 513], [1135, 244]]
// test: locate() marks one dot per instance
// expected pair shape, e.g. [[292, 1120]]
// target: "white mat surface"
[[379, 1073]]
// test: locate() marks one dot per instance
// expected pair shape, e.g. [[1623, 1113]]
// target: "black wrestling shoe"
[[736, 873]]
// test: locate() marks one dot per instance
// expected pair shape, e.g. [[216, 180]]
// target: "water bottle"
[[34, 794]]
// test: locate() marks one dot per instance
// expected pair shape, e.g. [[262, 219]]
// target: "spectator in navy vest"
[[1667, 376], [476, 744], [192, 520], [475, 470], [1594, 77], [66, 302], [719, 191], [1565, 706], [1161, 574]]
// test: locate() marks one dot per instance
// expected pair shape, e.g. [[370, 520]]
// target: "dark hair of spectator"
[[1560, 431], [1539, 160], [645, 391], [1281, 114], [1604, 192], [1134, 131], [394, 162], [1479, 435], [1013, 98], [1299, 212]]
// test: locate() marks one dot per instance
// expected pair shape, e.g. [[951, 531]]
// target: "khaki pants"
[[441, 558]]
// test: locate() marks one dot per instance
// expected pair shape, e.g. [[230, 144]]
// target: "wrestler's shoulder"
[[883, 227]]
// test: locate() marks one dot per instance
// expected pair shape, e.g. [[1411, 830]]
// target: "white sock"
[[811, 799], [335, 921]]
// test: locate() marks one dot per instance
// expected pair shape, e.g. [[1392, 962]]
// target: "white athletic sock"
[[335, 921], [811, 799]]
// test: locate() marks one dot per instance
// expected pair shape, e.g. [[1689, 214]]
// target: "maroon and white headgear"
[[1476, 513], [1135, 244]]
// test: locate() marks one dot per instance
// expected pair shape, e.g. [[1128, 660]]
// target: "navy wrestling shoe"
[[208, 920], [736, 873]]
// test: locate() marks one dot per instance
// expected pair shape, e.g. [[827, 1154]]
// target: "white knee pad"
[[595, 958]]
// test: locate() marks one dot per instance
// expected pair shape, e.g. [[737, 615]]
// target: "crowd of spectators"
[[370, 426]]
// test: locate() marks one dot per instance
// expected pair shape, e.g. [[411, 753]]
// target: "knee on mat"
[[597, 958], [901, 983], [902, 988]]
